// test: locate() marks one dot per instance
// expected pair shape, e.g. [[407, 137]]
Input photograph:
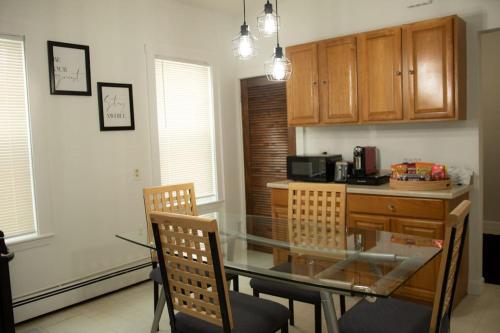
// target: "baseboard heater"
[[72, 286]]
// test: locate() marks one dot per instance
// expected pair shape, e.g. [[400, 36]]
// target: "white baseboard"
[[53, 303], [491, 227], [475, 287]]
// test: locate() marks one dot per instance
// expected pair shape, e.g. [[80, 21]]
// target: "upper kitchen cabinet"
[[338, 81], [435, 61], [411, 73], [302, 88], [380, 73]]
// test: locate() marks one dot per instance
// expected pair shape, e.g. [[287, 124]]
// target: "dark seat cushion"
[[155, 275], [250, 315], [386, 315], [283, 290]]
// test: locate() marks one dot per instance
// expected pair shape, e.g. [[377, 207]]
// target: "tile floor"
[[130, 311]]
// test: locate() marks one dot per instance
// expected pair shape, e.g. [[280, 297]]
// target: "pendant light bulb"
[[278, 68], [268, 21], [244, 44]]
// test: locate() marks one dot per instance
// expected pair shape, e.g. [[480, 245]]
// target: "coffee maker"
[[364, 171], [365, 161]]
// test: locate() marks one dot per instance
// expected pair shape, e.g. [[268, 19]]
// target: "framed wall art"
[[69, 69], [116, 106]]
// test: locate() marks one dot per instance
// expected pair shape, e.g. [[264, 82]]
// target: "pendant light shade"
[[278, 68], [244, 44], [268, 21]]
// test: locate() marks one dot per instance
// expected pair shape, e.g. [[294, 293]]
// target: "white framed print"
[[116, 106], [69, 69]]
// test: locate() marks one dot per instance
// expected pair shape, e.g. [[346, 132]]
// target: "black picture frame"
[[54, 78], [102, 95]]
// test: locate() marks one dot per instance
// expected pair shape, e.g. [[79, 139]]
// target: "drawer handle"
[[391, 207]]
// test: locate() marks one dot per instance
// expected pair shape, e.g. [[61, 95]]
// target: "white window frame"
[[36, 234], [181, 55]]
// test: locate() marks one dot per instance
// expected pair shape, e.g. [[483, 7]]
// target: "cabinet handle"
[[325, 82], [391, 207], [411, 71], [315, 83], [398, 73]]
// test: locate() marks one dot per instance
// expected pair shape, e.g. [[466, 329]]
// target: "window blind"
[[186, 126], [17, 207]]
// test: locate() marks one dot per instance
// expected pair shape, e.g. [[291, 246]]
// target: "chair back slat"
[[190, 259], [455, 237], [316, 214], [179, 198]]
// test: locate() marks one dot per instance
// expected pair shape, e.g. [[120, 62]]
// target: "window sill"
[[22, 243]]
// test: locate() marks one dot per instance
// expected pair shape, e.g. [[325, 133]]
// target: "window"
[[186, 126], [17, 205]]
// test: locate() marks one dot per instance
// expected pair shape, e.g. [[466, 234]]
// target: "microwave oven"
[[312, 168]]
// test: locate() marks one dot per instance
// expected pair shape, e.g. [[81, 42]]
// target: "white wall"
[[452, 143], [490, 106], [84, 181]]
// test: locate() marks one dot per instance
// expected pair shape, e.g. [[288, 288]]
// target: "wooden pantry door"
[[267, 140]]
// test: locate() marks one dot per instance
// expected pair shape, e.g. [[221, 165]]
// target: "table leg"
[[158, 311], [332, 324]]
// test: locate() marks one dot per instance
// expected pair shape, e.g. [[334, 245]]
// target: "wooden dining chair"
[[316, 218], [180, 199], [391, 315], [192, 271]]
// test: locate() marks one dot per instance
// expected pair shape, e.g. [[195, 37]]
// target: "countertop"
[[452, 193]]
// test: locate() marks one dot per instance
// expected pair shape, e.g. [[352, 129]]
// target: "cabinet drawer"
[[371, 222], [396, 206]]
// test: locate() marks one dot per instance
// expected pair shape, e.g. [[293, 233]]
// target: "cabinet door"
[[423, 284], [302, 87], [371, 222], [338, 81], [429, 49], [379, 55]]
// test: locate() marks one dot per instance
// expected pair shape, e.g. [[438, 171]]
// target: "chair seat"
[[155, 275], [386, 315], [250, 315], [284, 290]]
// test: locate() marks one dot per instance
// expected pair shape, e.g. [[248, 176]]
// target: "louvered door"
[[266, 143], [266, 138]]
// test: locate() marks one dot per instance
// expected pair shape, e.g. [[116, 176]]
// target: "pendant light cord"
[[244, 12], [277, 26]]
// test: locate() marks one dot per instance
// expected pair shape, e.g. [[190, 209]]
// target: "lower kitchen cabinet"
[[407, 215]]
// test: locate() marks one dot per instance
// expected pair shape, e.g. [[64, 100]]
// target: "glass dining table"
[[370, 263]]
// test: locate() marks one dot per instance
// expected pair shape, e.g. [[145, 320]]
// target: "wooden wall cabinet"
[[302, 88], [380, 75], [338, 81], [414, 216], [414, 72]]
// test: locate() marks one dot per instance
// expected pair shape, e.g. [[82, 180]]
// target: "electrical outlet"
[[137, 174]]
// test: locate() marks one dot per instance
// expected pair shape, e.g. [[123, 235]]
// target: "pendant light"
[[244, 43], [278, 68], [268, 21]]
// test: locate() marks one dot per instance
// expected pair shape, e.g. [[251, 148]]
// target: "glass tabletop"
[[370, 263]]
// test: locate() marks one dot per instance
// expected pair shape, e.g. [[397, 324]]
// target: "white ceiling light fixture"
[[268, 21], [418, 3], [244, 44], [278, 68]]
